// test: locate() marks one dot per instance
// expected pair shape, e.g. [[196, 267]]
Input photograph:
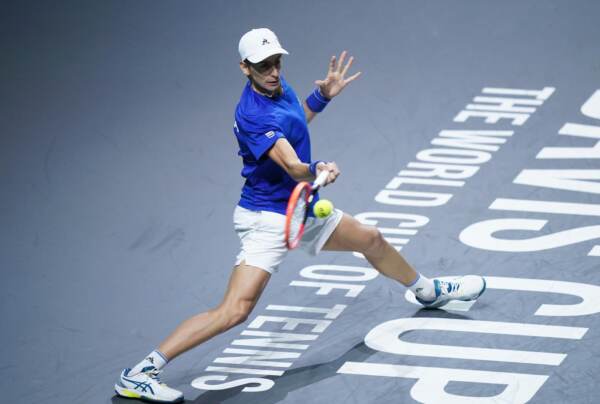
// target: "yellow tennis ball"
[[323, 208]]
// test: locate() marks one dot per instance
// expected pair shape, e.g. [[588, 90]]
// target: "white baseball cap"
[[258, 44]]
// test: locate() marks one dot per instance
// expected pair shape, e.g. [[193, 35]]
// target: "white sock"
[[422, 287], [154, 359]]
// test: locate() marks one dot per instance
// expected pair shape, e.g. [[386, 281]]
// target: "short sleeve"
[[260, 143]]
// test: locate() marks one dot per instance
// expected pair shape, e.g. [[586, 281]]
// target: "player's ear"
[[245, 68]]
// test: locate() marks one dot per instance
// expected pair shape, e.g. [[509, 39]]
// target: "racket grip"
[[321, 178]]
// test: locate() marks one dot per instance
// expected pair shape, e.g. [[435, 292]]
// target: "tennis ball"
[[323, 208]]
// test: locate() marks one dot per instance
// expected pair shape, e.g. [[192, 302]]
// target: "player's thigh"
[[350, 235], [246, 284]]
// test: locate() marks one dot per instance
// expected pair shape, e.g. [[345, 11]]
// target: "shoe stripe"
[[144, 387], [437, 289]]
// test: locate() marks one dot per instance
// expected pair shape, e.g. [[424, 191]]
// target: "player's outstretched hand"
[[335, 81], [333, 169]]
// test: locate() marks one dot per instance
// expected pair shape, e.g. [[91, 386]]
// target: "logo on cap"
[[266, 41]]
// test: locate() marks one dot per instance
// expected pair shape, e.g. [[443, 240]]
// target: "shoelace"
[[154, 374], [449, 287]]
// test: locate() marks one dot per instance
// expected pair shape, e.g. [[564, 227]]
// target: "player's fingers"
[[341, 61], [352, 78], [321, 165], [330, 178], [347, 66], [333, 176], [333, 171], [331, 65]]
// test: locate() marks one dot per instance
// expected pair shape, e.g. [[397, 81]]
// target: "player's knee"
[[238, 318], [375, 243], [237, 313]]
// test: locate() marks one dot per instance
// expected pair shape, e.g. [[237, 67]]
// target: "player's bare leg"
[[245, 287], [142, 381], [351, 235]]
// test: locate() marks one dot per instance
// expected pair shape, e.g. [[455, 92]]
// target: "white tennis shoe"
[[468, 287], [147, 386]]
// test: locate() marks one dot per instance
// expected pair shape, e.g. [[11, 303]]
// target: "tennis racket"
[[297, 209]]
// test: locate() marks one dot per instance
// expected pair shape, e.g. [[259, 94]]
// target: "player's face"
[[265, 75]]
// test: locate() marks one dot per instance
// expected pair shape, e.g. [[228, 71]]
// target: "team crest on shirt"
[[270, 134]]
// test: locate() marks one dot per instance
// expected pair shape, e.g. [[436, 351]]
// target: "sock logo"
[[150, 359], [419, 290]]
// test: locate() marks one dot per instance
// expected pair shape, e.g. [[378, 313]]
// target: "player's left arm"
[[330, 87]]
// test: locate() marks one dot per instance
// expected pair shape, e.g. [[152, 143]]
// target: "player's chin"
[[273, 85], [276, 91]]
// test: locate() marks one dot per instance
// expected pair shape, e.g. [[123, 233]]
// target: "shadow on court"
[[295, 379]]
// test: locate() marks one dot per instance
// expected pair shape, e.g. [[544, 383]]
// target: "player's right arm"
[[285, 156]]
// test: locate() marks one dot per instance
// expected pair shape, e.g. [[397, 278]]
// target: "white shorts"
[[262, 236]]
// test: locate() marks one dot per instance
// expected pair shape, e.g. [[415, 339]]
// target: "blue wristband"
[[312, 167], [316, 101]]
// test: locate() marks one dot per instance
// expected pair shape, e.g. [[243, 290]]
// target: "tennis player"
[[274, 144]]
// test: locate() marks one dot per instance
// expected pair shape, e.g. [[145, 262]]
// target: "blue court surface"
[[471, 141]]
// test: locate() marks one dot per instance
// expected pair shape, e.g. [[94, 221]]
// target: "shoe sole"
[[124, 392]]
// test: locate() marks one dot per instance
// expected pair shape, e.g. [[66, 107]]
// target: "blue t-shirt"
[[259, 122]]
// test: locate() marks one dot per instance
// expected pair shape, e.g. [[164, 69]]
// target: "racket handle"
[[321, 178]]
